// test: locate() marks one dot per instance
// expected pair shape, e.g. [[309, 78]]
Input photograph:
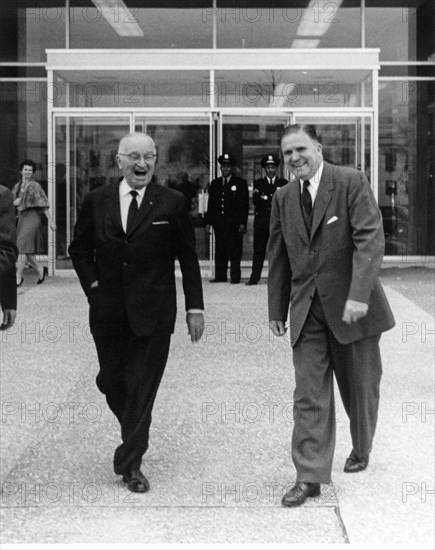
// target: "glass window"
[[406, 166], [152, 25], [402, 30], [345, 141], [23, 112], [315, 24], [291, 89], [129, 89], [23, 115], [409, 71], [26, 32]]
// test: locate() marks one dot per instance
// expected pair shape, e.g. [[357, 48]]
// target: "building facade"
[[206, 76]]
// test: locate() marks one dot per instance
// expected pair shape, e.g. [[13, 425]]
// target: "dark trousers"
[[261, 237], [358, 369], [131, 368], [228, 246]]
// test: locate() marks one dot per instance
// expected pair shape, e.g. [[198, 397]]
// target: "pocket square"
[[332, 220], [161, 223]]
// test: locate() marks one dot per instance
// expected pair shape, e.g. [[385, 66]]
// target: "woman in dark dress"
[[31, 202]]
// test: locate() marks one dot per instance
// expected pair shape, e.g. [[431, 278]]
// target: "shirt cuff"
[[195, 311]]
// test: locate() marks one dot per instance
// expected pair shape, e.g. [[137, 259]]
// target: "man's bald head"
[[137, 159]]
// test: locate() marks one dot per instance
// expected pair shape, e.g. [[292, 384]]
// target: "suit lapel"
[[152, 195], [112, 197], [323, 197]]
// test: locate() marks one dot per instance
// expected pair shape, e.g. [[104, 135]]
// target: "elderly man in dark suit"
[[227, 212], [126, 239], [325, 251], [263, 191], [8, 258]]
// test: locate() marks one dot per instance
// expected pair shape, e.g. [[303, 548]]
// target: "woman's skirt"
[[28, 232]]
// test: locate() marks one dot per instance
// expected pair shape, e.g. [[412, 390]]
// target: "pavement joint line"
[[158, 506], [341, 524]]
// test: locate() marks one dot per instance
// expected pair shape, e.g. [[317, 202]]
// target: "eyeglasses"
[[135, 157]]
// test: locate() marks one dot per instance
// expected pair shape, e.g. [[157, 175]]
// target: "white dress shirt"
[[314, 183]]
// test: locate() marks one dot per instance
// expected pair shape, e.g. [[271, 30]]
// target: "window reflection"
[[406, 164], [313, 24], [140, 27], [292, 89], [402, 30]]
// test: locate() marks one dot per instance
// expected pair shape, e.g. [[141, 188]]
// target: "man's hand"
[[8, 318], [242, 228], [208, 228], [353, 311], [277, 327], [195, 325]]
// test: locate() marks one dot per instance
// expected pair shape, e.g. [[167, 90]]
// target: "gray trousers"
[[358, 369]]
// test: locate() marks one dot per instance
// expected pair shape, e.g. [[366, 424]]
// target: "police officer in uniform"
[[227, 213], [264, 189]]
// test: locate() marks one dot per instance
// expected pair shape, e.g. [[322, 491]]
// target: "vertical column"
[[51, 172], [214, 24], [375, 133]]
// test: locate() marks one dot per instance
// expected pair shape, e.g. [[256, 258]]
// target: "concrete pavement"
[[219, 459]]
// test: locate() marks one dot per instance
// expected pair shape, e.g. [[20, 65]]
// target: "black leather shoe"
[[355, 464], [250, 283], [235, 281], [218, 280], [299, 493], [136, 481], [44, 274]]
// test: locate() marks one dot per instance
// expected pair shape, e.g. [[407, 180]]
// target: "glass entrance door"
[[185, 151], [248, 139], [84, 154], [84, 158], [85, 146]]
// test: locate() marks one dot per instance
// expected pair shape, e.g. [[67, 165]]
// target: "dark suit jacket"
[[135, 270], [228, 203], [262, 197], [8, 251], [341, 257]]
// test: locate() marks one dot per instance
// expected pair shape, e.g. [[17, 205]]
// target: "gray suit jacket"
[[341, 257]]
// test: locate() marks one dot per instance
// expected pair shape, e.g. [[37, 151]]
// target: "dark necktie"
[[132, 210], [307, 203], [225, 182]]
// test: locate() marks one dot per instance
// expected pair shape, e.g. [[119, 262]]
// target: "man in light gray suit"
[[325, 251]]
